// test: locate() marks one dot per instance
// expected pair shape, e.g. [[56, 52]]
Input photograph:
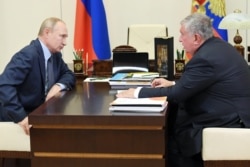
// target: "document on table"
[[153, 104]]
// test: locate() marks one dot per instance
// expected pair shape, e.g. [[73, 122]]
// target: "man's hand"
[[25, 125], [126, 93], [161, 82], [53, 91]]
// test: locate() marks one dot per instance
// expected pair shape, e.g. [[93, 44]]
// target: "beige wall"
[[21, 19]]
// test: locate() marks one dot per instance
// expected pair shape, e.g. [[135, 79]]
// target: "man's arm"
[[13, 75], [66, 76]]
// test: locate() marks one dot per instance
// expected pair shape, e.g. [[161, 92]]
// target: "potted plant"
[[78, 61], [179, 62]]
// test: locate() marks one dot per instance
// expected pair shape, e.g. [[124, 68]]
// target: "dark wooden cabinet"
[[102, 68]]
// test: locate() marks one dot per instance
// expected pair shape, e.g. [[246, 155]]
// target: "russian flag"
[[215, 9], [91, 31]]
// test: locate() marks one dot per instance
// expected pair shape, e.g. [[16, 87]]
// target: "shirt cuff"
[[62, 86], [137, 91]]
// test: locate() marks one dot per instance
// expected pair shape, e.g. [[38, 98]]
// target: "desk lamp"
[[236, 20]]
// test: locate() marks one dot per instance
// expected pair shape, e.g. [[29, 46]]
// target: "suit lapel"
[[41, 60]]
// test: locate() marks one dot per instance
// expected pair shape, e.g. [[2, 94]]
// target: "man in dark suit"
[[24, 81], [214, 91]]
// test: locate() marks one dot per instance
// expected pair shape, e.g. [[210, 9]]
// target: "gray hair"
[[48, 23], [198, 23]]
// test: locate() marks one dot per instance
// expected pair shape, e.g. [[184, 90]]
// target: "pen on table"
[[94, 79], [148, 75]]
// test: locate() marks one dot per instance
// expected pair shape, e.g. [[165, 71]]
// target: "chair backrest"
[[141, 36], [130, 62]]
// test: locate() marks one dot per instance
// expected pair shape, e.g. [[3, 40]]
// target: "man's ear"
[[198, 39], [46, 31]]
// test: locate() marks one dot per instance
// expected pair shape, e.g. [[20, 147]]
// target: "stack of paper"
[[122, 85], [123, 81], [146, 105], [136, 76]]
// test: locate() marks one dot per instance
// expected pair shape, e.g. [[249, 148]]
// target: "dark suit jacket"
[[22, 84], [214, 91]]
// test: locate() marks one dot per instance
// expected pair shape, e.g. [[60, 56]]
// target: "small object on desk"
[[78, 66], [96, 79], [102, 67], [87, 62], [78, 62]]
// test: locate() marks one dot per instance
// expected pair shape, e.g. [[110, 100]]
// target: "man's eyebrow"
[[64, 35]]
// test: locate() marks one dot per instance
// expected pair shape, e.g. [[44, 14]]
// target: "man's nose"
[[64, 42]]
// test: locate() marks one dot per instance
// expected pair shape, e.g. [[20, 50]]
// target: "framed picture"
[[164, 57]]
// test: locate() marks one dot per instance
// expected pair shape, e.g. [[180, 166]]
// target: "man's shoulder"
[[29, 51], [34, 46]]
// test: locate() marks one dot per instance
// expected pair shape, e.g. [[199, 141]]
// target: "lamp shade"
[[236, 20]]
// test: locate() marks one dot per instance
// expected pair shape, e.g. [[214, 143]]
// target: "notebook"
[[153, 104]]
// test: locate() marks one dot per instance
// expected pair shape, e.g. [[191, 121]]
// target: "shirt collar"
[[46, 51]]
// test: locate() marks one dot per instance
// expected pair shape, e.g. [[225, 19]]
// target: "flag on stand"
[[216, 10], [91, 31]]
